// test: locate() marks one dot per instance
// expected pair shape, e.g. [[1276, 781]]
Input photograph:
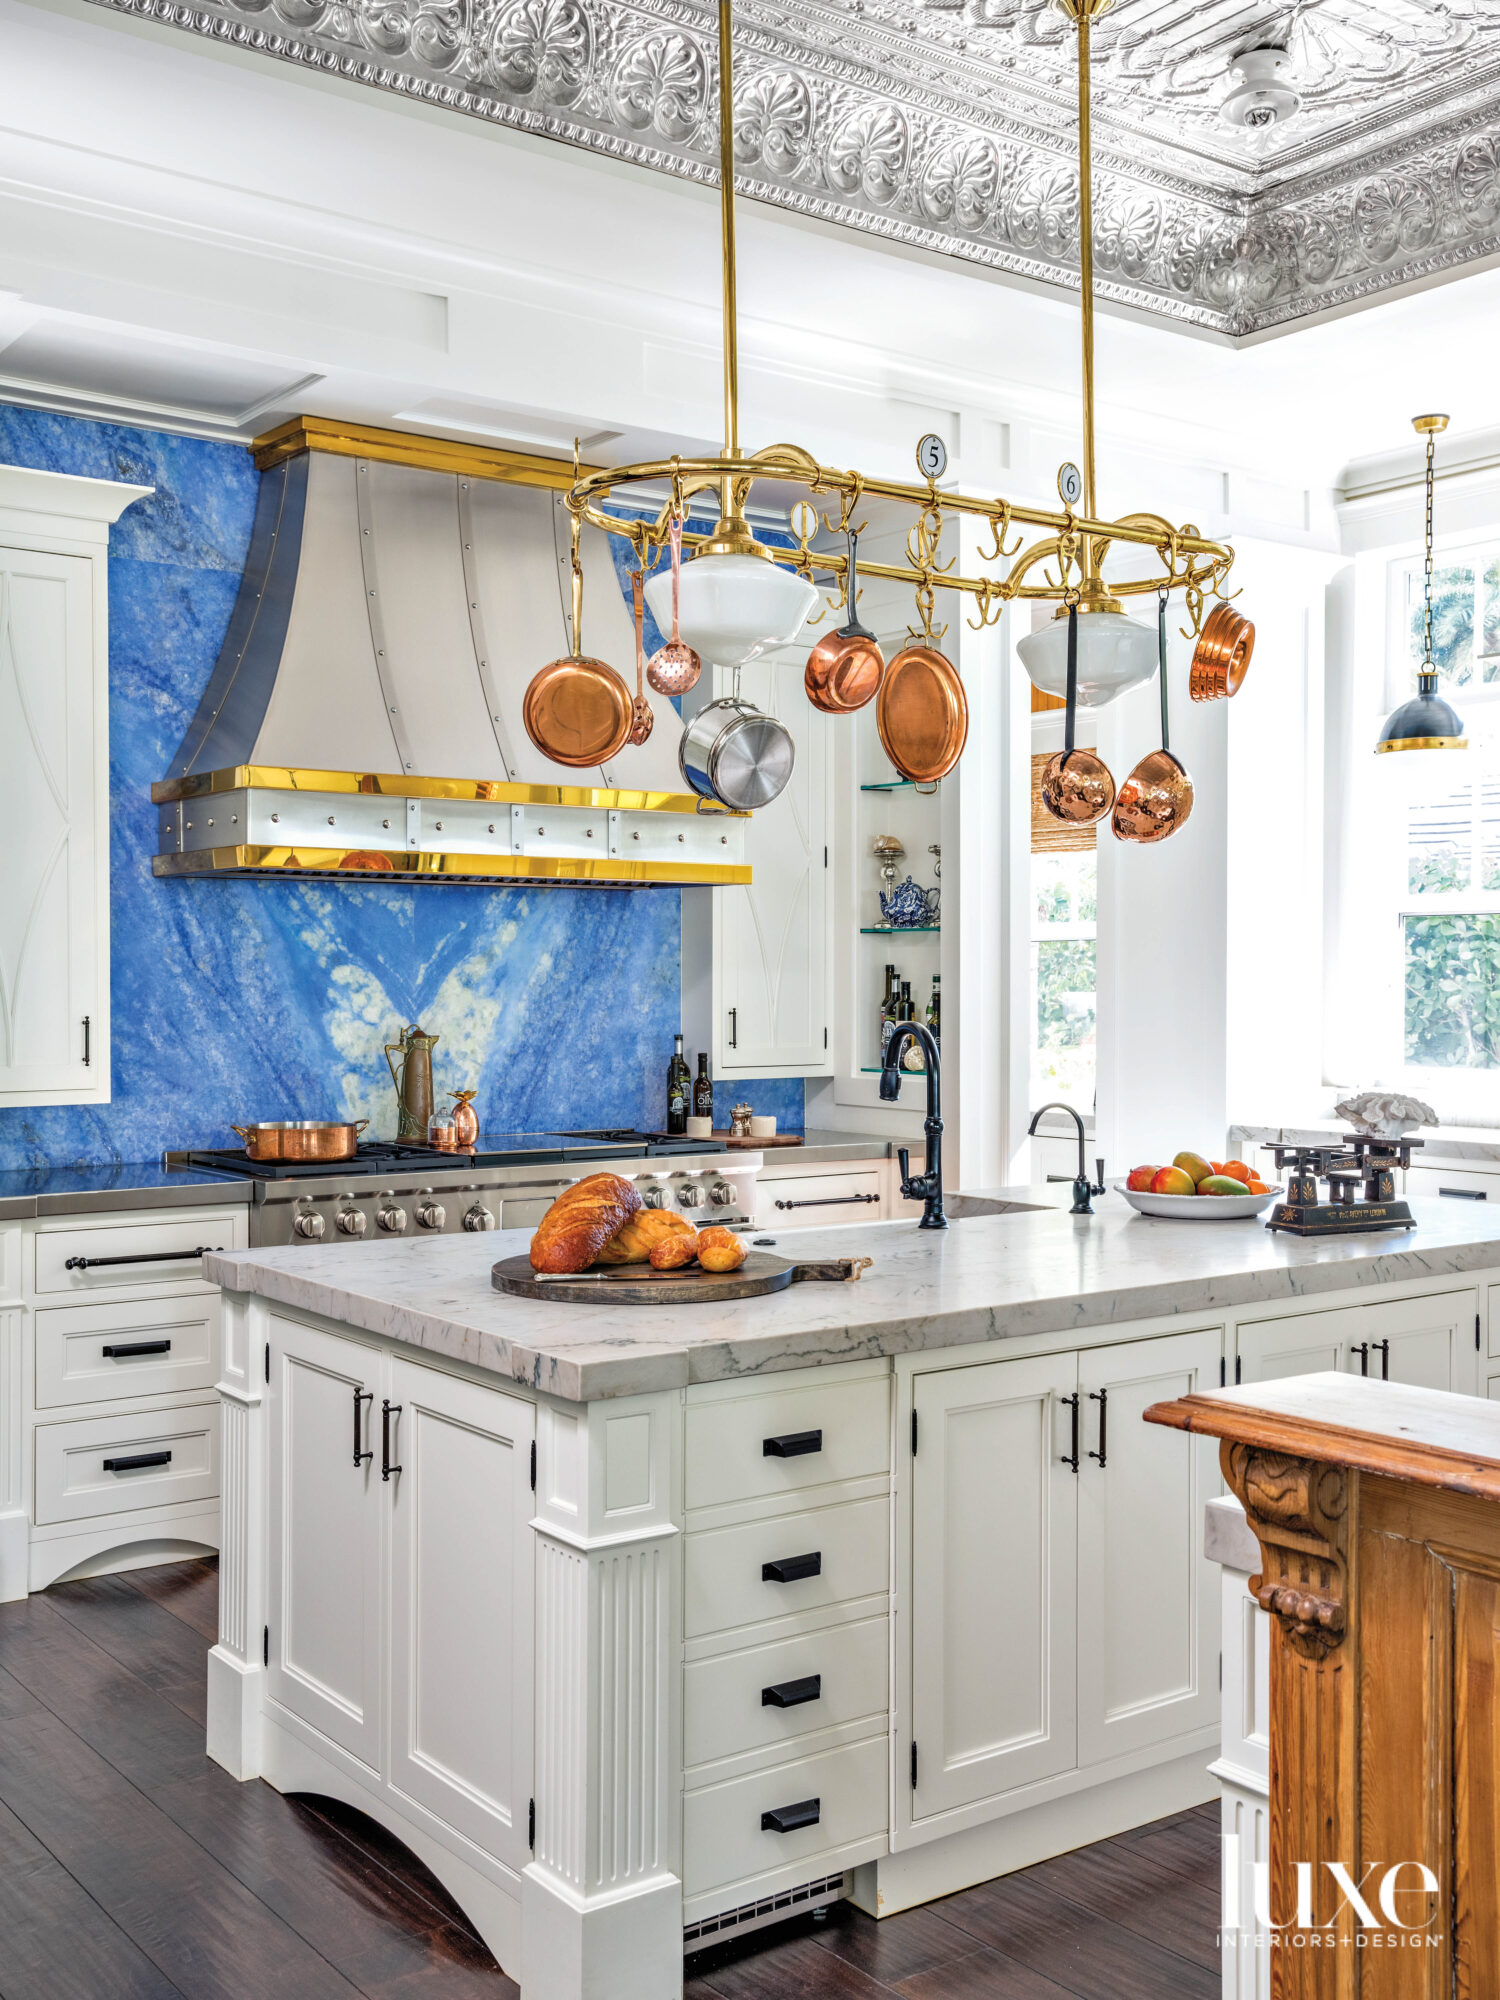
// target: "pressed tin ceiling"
[[950, 124]]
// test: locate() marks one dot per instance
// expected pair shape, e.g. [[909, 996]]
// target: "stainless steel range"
[[509, 1182]]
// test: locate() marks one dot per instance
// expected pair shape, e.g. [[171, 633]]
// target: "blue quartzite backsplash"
[[244, 1000]]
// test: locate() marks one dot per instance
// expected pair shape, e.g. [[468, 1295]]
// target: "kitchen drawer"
[[725, 1585], [803, 1200], [725, 1710], [723, 1840], [1458, 1183], [734, 1443], [83, 1353], [73, 1484], [137, 1252]]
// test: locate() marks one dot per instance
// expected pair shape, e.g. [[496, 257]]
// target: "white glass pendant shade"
[[733, 608], [1114, 653]]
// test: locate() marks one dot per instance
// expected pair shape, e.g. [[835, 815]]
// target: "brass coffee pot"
[[413, 1081]]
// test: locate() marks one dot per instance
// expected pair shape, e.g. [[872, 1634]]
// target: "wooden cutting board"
[[639, 1285], [754, 1145]]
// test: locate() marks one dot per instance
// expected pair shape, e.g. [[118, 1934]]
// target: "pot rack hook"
[[999, 528]]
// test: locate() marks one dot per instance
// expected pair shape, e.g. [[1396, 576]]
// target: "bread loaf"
[[672, 1253], [581, 1221], [635, 1241], [721, 1250]]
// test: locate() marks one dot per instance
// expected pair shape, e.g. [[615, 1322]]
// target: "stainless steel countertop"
[[822, 1146], [41, 1191]]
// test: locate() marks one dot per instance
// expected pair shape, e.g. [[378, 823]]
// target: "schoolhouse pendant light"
[[1426, 722]]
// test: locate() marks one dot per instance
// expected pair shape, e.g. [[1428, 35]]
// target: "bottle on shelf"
[[890, 1009], [677, 1089], [912, 1057], [703, 1089], [934, 1008]]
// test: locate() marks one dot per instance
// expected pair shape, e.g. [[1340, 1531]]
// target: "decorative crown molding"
[[950, 130]]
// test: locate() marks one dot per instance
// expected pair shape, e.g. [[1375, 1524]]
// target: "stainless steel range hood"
[[364, 714]]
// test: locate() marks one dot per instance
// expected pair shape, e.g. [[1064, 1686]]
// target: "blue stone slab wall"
[[245, 1000]]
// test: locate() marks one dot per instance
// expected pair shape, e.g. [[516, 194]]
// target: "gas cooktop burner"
[[495, 1149]]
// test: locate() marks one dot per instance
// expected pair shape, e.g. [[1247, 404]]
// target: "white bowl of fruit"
[[1193, 1189]]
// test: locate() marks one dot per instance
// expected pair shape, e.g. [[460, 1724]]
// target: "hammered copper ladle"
[[1158, 795], [675, 667], [1076, 785], [641, 716], [845, 667]]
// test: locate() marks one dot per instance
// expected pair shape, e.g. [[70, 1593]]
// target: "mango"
[[1221, 1184], [1194, 1166], [1172, 1180], [1140, 1178]]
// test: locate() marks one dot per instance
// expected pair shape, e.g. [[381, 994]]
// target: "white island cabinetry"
[[779, 1620]]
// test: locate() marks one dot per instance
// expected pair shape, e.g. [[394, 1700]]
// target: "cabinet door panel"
[[1429, 1343], [325, 1537], [461, 1596], [1148, 1606], [50, 827], [994, 1573], [771, 937], [1301, 1344]]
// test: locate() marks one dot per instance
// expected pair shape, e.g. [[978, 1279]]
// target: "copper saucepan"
[[301, 1138], [845, 668], [578, 711], [922, 714], [1221, 658]]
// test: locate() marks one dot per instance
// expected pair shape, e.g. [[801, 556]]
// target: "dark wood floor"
[[132, 1868]]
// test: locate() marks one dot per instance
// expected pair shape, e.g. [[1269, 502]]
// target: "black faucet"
[[927, 1186], [1083, 1187]]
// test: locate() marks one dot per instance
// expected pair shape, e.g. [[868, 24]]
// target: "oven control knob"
[[392, 1220], [352, 1222], [478, 1217], [309, 1223], [722, 1193], [690, 1195], [431, 1215], [654, 1196]]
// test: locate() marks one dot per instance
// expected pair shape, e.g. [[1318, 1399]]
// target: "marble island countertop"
[[991, 1276]]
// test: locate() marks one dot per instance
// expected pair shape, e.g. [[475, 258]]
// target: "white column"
[[236, 1669], [601, 1902]]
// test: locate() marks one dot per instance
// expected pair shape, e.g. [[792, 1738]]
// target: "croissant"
[[641, 1234], [581, 1221], [674, 1252], [721, 1250]]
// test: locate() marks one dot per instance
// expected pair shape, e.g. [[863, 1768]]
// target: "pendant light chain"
[[1427, 566]]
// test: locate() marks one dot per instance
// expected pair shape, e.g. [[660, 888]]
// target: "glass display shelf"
[[897, 930], [903, 785]]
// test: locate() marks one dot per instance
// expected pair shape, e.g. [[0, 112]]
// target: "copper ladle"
[[675, 667], [1076, 785], [845, 667], [641, 717], [1158, 795]]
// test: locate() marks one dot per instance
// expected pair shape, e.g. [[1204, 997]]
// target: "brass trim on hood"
[[432, 454], [291, 864], [386, 784]]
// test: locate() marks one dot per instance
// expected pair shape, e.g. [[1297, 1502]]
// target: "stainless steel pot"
[[731, 752]]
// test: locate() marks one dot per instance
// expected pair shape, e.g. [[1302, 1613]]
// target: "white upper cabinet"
[[54, 785], [756, 958]]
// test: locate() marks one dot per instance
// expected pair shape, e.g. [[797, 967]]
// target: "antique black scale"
[[1361, 1176]]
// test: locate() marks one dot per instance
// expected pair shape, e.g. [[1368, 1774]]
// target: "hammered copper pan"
[[922, 714], [845, 667]]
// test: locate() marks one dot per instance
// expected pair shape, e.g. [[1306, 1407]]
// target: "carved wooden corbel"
[[1299, 1511]]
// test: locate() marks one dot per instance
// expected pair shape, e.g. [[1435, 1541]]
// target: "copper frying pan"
[[845, 667], [922, 714], [577, 710]]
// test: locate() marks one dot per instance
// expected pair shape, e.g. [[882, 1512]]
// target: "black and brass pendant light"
[[1426, 722]]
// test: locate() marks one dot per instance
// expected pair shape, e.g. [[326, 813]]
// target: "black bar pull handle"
[[88, 1036], [1070, 1457], [1362, 1349], [1464, 1194], [145, 1257], [137, 1460], [1101, 1397], [1383, 1349], [734, 1027], [121, 1350], [792, 1444], [792, 1569], [361, 1396], [830, 1201], [792, 1694], [787, 1819], [387, 1411]]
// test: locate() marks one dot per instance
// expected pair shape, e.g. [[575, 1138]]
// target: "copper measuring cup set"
[[1157, 798]]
